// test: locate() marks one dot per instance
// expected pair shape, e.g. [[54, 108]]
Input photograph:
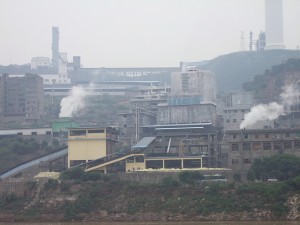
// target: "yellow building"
[[87, 144]]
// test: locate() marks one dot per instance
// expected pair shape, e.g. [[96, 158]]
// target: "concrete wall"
[[186, 114]]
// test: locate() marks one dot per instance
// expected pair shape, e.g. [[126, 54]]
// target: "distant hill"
[[268, 86], [234, 69]]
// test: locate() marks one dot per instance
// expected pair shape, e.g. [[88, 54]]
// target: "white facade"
[[37, 62], [63, 63], [194, 82], [50, 79], [274, 24]]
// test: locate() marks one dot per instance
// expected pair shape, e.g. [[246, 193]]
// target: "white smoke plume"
[[71, 104], [273, 110]]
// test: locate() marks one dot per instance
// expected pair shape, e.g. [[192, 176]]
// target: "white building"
[[50, 79], [38, 62], [194, 82], [274, 24]]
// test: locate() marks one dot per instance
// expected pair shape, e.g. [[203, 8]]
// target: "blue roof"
[[144, 142]]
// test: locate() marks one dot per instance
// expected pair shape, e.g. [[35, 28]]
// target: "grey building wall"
[[194, 83], [245, 146], [22, 97], [177, 114]]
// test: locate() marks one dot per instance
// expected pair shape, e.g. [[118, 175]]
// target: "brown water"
[[164, 223]]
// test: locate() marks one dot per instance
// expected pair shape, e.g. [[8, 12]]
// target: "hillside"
[[268, 86], [234, 69], [91, 197]]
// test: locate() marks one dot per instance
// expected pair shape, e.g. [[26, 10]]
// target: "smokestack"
[[55, 49], [274, 24], [251, 41]]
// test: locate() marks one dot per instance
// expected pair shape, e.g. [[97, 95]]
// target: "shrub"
[[51, 184], [170, 182], [190, 177]]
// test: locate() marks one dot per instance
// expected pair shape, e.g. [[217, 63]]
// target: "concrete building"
[[87, 144], [183, 140], [143, 111], [188, 113], [194, 82], [274, 24], [237, 104], [246, 145], [22, 97], [40, 63], [55, 79]]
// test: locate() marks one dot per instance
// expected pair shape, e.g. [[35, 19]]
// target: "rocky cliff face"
[[115, 200]]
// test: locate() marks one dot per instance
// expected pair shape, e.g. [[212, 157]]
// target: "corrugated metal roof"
[[144, 142]]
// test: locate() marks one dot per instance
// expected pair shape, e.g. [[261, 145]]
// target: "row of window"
[[266, 135], [237, 161], [83, 132], [266, 145], [236, 111]]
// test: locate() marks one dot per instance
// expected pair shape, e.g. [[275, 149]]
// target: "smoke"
[[273, 110], [71, 104]]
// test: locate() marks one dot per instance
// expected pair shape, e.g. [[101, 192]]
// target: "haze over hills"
[[231, 70], [234, 69]]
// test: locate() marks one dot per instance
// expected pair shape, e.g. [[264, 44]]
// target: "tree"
[[191, 177], [282, 167]]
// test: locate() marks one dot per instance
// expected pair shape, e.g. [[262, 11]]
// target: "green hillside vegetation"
[[16, 150], [234, 69], [268, 86], [99, 197]]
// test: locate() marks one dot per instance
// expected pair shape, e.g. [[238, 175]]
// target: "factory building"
[[244, 146], [21, 97], [194, 82], [87, 144]]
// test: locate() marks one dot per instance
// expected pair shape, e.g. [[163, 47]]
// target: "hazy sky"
[[135, 33]]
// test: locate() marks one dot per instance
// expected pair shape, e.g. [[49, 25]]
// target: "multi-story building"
[[87, 144], [22, 97], [236, 106], [182, 141], [194, 82], [244, 146], [186, 109], [143, 111]]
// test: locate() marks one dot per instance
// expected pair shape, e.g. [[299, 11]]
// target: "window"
[[235, 111], [77, 133], [234, 120], [287, 145], [125, 125], [256, 136], [227, 121], [287, 135], [267, 146], [297, 144], [48, 132], [235, 161], [234, 136], [267, 135], [33, 133], [277, 145], [95, 131], [256, 146], [246, 136], [246, 161], [246, 146], [235, 147]]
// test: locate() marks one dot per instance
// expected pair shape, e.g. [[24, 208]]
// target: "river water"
[[159, 223]]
